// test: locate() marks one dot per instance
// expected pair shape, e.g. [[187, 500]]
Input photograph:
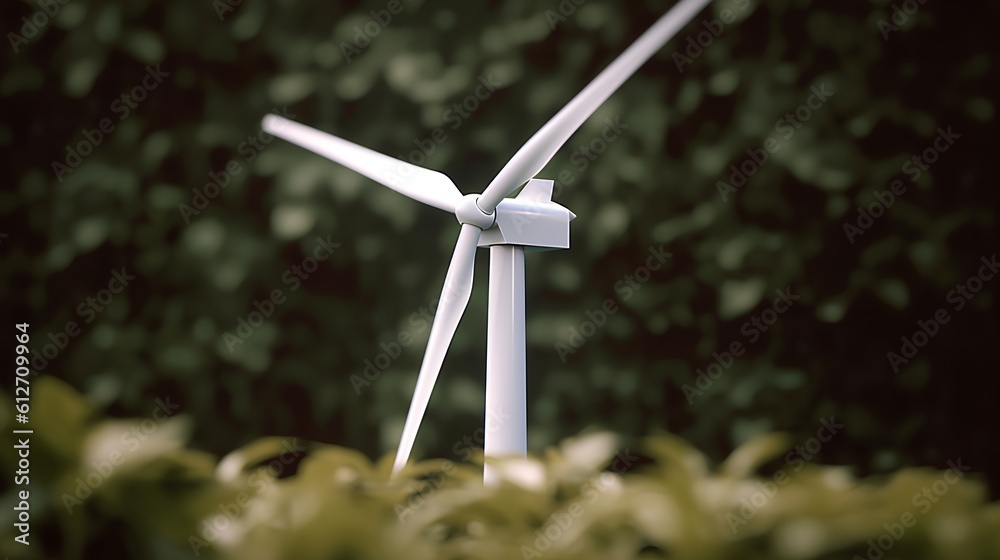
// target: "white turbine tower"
[[507, 226]]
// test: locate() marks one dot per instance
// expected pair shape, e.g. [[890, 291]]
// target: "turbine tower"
[[508, 226]]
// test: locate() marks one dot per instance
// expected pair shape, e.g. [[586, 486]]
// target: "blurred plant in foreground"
[[100, 485]]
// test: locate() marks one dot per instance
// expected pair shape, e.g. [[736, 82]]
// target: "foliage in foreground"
[[99, 484]]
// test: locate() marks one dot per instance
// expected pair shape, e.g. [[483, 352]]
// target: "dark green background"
[[656, 185]]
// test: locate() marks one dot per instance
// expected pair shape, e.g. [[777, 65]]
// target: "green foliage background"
[[583, 498], [656, 185]]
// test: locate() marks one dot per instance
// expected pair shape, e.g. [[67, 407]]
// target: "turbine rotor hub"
[[468, 212]]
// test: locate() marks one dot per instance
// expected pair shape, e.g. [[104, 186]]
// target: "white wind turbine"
[[506, 225]]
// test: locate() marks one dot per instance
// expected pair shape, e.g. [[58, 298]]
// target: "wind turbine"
[[508, 226]]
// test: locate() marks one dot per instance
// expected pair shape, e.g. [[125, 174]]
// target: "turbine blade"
[[454, 298], [418, 183], [538, 150]]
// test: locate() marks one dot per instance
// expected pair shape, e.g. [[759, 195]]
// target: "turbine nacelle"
[[531, 219]]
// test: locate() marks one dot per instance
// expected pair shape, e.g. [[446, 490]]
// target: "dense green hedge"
[[132, 488]]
